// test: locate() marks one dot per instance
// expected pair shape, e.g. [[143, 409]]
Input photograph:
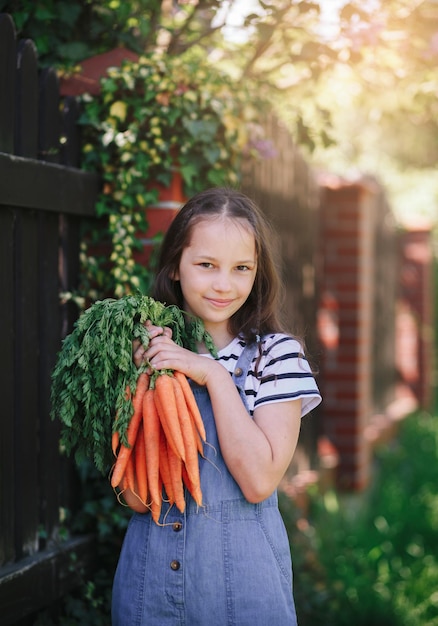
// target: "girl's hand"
[[164, 353], [138, 350]]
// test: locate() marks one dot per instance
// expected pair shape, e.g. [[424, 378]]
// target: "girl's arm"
[[257, 451]]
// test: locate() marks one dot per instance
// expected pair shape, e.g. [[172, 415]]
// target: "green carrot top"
[[94, 367]]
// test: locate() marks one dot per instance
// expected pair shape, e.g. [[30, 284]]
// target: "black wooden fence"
[[285, 187], [43, 196]]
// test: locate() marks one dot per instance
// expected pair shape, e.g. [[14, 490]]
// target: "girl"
[[228, 563]]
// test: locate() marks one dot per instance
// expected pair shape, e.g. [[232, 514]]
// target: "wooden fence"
[[43, 196], [285, 188]]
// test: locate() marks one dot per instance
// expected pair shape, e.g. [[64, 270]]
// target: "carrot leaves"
[[95, 367]]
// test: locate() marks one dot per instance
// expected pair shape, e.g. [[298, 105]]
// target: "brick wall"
[[345, 322], [375, 322]]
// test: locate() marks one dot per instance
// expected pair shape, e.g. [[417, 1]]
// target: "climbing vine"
[[152, 117]]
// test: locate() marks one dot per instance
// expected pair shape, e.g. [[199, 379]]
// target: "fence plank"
[[70, 145], [49, 117], [49, 187], [7, 82], [49, 331], [26, 127], [7, 478], [26, 383]]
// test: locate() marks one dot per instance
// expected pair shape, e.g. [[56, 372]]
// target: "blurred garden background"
[[326, 113]]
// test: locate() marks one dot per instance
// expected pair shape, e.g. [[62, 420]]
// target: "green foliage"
[[67, 31], [372, 560], [95, 367], [153, 117]]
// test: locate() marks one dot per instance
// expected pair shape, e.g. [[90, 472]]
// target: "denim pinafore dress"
[[225, 564]]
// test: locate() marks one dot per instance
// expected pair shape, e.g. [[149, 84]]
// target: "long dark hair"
[[260, 313]]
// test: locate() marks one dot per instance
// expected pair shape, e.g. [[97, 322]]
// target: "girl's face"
[[217, 271]]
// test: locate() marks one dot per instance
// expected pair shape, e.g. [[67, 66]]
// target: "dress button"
[[238, 371], [175, 565], [177, 526]]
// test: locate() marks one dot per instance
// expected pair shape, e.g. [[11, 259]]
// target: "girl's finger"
[[139, 358], [154, 331]]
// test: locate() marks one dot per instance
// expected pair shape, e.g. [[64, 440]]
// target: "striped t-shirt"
[[283, 373]]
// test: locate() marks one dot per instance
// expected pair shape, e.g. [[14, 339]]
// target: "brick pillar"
[[345, 323]]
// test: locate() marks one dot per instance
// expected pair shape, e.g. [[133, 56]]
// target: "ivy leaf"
[[74, 51], [188, 172], [203, 129], [118, 109]]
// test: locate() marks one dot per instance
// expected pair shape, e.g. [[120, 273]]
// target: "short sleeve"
[[285, 374]]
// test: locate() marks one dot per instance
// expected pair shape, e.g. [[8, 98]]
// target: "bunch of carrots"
[[165, 436]]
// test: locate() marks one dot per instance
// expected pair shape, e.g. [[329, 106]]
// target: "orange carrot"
[[191, 451], [125, 451], [191, 403], [122, 485], [167, 410], [151, 433], [130, 473], [156, 508], [194, 490], [115, 441], [164, 439], [175, 466], [140, 466], [197, 438], [165, 468], [155, 511]]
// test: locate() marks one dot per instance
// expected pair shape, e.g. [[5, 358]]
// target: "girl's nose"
[[222, 282]]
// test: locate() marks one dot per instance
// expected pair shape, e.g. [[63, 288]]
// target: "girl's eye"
[[206, 264], [243, 268]]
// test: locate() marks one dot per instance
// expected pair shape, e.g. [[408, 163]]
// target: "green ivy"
[[66, 32], [152, 118]]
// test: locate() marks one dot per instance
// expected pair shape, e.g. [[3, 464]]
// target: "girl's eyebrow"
[[207, 257]]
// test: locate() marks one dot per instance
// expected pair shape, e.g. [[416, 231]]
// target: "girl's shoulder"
[[278, 372], [277, 350], [281, 352], [281, 342], [270, 343], [284, 373], [229, 355]]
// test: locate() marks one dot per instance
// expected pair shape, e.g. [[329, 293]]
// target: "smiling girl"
[[227, 563]]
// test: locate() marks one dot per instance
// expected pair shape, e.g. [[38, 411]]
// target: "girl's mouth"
[[218, 303]]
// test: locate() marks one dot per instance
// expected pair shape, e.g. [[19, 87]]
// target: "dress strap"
[[243, 364]]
